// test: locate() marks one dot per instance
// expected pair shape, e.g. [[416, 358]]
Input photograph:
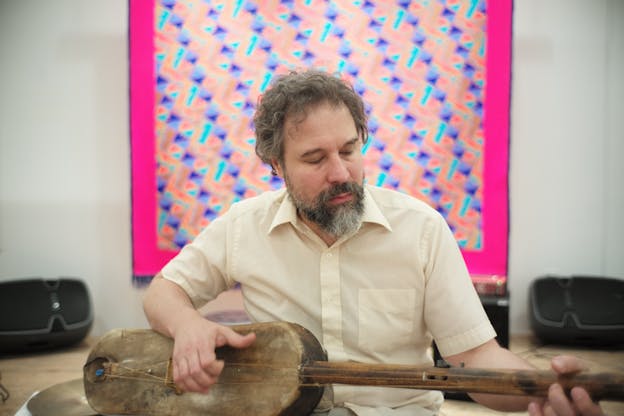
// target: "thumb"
[[228, 336], [566, 364]]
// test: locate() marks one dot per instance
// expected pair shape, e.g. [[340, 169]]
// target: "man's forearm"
[[491, 355], [166, 305]]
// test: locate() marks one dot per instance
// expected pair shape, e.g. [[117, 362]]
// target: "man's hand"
[[195, 365], [557, 403]]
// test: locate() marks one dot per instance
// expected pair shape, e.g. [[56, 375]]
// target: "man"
[[376, 275]]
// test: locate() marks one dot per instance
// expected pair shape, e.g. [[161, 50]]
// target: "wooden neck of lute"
[[601, 386]]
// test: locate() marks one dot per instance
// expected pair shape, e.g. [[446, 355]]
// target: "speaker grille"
[[24, 306], [551, 298], [74, 301], [28, 305], [580, 310], [599, 302]]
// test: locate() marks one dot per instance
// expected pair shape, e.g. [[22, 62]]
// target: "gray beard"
[[336, 221]]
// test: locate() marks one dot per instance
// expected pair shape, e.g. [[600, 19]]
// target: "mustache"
[[341, 188]]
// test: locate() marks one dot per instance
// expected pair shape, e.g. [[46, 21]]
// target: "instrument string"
[[147, 374], [421, 379], [139, 373], [161, 380], [424, 373]]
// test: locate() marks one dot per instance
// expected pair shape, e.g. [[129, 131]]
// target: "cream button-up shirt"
[[380, 295]]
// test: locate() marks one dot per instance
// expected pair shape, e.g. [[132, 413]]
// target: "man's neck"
[[328, 238]]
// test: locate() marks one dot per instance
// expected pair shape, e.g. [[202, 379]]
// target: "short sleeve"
[[200, 267], [453, 311]]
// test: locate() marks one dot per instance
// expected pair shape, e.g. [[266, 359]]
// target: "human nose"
[[337, 171]]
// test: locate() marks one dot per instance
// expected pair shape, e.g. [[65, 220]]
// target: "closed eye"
[[316, 156], [349, 147]]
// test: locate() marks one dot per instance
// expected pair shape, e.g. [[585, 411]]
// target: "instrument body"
[[283, 373], [128, 372]]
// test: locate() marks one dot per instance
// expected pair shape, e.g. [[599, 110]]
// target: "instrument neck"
[[463, 380]]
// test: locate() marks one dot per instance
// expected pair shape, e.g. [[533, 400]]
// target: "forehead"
[[322, 119]]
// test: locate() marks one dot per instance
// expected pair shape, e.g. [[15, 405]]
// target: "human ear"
[[276, 169]]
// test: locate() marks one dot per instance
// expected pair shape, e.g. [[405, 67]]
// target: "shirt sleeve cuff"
[[467, 340]]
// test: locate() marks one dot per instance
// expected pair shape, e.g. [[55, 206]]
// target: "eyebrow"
[[313, 152]]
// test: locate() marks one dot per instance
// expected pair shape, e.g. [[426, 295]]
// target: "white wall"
[[64, 155], [64, 147], [567, 142]]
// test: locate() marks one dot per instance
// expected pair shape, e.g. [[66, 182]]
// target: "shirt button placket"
[[331, 305]]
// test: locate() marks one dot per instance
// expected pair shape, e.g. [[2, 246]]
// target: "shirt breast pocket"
[[386, 318]]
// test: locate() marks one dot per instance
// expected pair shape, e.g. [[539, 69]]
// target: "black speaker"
[[497, 309], [39, 314], [578, 310]]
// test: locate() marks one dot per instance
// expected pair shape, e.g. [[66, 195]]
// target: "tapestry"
[[434, 76]]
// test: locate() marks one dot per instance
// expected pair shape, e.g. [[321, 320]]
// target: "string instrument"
[[283, 373]]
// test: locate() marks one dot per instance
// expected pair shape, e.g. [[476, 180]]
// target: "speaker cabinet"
[[578, 310], [39, 314], [497, 309]]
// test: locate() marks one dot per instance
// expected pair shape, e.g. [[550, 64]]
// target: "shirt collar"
[[288, 213]]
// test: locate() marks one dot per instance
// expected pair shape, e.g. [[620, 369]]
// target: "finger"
[[179, 371], [191, 385], [188, 374], [201, 382], [181, 376], [206, 356], [584, 403], [204, 372], [565, 364], [234, 339], [548, 410], [559, 401], [209, 363], [535, 409]]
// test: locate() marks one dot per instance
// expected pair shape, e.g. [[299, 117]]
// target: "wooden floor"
[[23, 375]]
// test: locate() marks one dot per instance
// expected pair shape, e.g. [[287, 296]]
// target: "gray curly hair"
[[292, 95]]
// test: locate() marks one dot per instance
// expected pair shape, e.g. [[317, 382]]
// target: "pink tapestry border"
[[493, 258]]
